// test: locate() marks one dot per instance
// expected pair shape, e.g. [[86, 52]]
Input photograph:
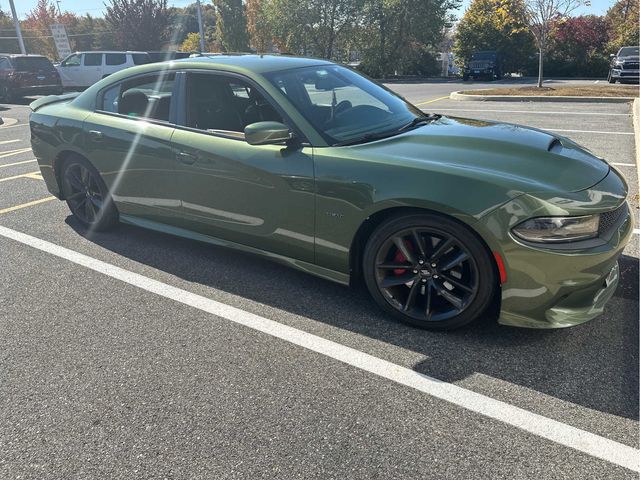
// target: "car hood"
[[522, 159]]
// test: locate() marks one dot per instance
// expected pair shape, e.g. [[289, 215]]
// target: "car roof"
[[20, 55], [107, 51], [254, 63]]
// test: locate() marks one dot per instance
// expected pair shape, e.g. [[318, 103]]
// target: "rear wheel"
[[429, 271], [7, 93], [87, 195]]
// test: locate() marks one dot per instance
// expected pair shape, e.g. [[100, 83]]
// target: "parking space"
[[143, 371]]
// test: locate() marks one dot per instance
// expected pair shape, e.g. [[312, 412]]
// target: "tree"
[[185, 21], [541, 16], [231, 25], [578, 47], [495, 25], [623, 21], [138, 24], [258, 26], [192, 43], [37, 25]]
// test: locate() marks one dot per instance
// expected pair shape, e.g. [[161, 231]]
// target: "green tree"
[[624, 22], [495, 25], [258, 27], [185, 21], [231, 25], [138, 24]]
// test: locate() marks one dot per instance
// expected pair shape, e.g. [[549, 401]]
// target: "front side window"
[[220, 104], [72, 61], [92, 59], [342, 105], [143, 97]]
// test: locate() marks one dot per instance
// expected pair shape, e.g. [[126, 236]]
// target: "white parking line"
[[4, 142], [623, 164], [17, 163], [636, 231], [537, 112], [544, 427], [588, 131]]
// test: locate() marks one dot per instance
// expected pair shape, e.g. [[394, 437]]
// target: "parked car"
[[309, 163], [27, 75], [483, 65], [83, 69], [164, 56], [625, 65]]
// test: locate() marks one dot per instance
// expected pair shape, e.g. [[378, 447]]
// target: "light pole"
[[200, 26], [18, 31]]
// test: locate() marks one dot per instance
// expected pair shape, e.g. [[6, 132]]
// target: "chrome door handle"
[[186, 158], [95, 135]]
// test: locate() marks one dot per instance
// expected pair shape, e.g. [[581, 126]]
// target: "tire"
[[465, 78], [7, 94], [87, 195], [610, 79], [454, 284]]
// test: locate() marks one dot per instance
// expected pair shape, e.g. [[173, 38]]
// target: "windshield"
[[628, 52], [483, 56], [32, 64], [342, 105]]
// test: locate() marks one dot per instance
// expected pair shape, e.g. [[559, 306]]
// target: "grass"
[[596, 90]]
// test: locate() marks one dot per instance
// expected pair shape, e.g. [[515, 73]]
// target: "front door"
[[259, 196]]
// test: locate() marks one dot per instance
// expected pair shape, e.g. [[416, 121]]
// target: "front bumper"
[[619, 74], [557, 288]]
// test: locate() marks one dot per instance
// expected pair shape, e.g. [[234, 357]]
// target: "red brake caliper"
[[400, 258]]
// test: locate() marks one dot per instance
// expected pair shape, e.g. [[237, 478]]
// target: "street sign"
[[61, 40]]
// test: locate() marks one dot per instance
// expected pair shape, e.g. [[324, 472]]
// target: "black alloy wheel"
[[87, 195], [429, 271]]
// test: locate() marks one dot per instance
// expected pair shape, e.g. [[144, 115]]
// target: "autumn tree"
[[541, 17], [623, 22], [258, 26], [138, 24], [231, 26], [495, 25], [37, 23]]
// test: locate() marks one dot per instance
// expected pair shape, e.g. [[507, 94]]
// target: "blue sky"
[[96, 7]]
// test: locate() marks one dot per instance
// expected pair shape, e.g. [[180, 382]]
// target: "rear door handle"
[[186, 158], [95, 135]]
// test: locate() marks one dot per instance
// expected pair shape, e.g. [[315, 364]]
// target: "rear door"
[[259, 196], [128, 138], [114, 62], [91, 70]]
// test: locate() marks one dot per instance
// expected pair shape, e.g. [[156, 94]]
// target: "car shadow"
[[594, 365]]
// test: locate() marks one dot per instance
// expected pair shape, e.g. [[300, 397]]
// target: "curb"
[[636, 129], [531, 98]]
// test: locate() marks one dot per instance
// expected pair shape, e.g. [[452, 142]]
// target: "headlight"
[[558, 229], [619, 64]]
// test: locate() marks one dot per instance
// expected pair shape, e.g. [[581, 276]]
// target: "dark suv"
[[27, 75], [483, 65], [624, 65]]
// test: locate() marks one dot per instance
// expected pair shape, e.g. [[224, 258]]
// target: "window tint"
[[216, 103], [33, 64], [140, 58], [92, 59], [143, 97], [72, 61], [4, 63], [115, 58]]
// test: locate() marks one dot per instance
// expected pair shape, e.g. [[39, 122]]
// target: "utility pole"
[[199, 26], [59, 12], [18, 31]]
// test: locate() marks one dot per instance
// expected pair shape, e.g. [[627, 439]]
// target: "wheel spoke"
[[96, 202], [394, 281], [427, 293], [456, 283], [411, 298], [441, 248], [449, 297], [459, 258], [89, 210], [394, 266], [402, 246], [75, 180], [419, 241], [86, 178], [76, 196]]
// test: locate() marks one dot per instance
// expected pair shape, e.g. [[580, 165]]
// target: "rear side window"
[[115, 58], [5, 63], [140, 58], [92, 59], [32, 64], [142, 97]]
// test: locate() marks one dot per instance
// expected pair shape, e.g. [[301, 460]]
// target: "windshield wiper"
[[369, 137]]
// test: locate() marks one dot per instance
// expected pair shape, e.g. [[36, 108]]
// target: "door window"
[[220, 104], [115, 58], [4, 64], [143, 97], [72, 61], [92, 59]]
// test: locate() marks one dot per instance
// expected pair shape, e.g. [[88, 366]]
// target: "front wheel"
[[429, 271], [87, 195], [610, 79]]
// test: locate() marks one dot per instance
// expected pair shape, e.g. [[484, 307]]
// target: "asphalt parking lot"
[[142, 371]]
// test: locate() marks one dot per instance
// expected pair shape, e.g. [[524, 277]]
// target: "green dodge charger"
[[309, 163]]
